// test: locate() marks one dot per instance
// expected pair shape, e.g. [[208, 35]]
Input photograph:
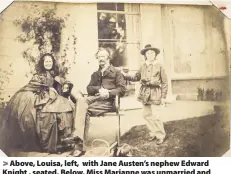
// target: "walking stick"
[[117, 105]]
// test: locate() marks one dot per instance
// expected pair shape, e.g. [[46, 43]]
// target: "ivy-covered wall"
[[29, 29], [45, 31]]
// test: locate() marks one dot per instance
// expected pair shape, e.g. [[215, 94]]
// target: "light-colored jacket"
[[154, 83]]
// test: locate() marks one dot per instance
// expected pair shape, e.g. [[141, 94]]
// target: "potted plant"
[[200, 95]]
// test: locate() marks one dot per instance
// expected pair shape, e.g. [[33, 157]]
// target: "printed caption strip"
[[115, 166]]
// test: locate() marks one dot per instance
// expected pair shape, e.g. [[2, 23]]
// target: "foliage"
[[209, 95], [44, 32], [5, 74]]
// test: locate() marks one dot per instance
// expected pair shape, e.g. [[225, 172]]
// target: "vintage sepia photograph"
[[114, 79]]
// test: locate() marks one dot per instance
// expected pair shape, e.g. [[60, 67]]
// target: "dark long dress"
[[35, 116]]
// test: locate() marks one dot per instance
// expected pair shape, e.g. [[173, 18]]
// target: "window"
[[118, 30]]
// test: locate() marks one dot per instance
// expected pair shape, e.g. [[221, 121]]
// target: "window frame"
[[135, 40]]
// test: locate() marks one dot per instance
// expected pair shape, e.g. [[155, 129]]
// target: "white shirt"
[[105, 68], [151, 62]]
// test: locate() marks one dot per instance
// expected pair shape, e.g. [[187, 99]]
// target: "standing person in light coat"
[[153, 92]]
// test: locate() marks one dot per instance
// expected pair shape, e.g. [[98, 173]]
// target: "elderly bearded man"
[[104, 86]]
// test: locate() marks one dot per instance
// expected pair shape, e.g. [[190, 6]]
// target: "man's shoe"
[[78, 150], [159, 141], [69, 140], [152, 138]]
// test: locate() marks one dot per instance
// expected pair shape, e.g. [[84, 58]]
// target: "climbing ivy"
[[5, 74], [44, 32]]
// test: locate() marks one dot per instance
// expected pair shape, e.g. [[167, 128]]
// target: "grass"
[[207, 136]]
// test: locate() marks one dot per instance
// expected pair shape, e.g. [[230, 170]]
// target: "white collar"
[[105, 67], [150, 63]]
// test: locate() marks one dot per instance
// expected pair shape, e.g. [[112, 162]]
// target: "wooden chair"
[[117, 113], [112, 148]]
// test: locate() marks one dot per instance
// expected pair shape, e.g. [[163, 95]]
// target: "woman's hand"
[[53, 94], [53, 90]]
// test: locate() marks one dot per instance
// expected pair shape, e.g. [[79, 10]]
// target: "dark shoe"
[[70, 140], [65, 147], [78, 150]]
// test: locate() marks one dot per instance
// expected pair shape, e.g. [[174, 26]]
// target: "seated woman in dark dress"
[[36, 113]]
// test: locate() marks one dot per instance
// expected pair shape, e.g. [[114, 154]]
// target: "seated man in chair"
[[105, 85]]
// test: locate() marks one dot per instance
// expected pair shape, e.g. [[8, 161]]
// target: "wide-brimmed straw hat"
[[149, 47]]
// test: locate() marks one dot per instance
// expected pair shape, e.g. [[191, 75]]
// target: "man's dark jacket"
[[112, 79]]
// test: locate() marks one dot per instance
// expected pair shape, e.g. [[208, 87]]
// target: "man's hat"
[[149, 47]]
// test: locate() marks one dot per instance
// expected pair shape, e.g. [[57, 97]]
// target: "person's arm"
[[120, 85], [38, 79], [73, 98], [133, 78], [37, 83], [58, 84], [164, 83], [93, 87]]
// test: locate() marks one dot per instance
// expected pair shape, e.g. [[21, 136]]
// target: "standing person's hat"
[[149, 47]]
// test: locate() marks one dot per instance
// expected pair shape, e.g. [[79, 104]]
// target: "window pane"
[[118, 52], [187, 50], [119, 57], [132, 28], [111, 26], [106, 6], [121, 51], [120, 7], [132, 7], [111, 6]]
